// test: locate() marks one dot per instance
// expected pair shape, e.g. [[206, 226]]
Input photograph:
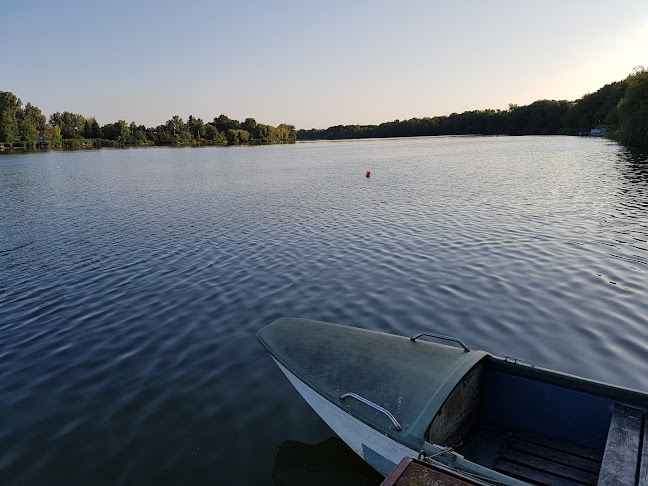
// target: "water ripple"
[[132, 284]]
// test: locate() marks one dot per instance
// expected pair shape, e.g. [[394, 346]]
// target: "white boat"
[[503, 421]]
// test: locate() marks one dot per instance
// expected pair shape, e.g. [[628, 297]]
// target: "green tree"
[[91, 128], [175, 126], [261, 132], [123, 132], [210, 133], [223, 124], [10, 115], [72, 125], [140, 137], [95, 130], [250, 125], [595, 108], [236, 137], [136, 134], [52, 133], [32, 123], [195, 127], [87, 128], [287, 133], [633, 110], [28, 131], [118, 131]]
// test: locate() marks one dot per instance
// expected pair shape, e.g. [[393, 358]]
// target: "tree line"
[[621, 107], [27, 127]]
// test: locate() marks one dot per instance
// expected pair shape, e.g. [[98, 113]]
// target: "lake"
[[133, 282]]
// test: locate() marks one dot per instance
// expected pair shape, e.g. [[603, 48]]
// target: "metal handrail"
[[374, 406], [439, 336]]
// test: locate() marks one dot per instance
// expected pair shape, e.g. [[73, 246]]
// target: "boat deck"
[[546, 461], [534, 458]]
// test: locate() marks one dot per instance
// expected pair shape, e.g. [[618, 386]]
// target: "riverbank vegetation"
[[28, 128], [621, 108]]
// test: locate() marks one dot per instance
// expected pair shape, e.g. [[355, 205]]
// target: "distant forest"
[[28, 128], [620, 107]]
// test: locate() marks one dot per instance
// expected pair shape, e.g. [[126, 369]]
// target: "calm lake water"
[[132, 283]]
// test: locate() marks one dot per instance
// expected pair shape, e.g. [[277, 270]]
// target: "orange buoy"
[[368, 174]]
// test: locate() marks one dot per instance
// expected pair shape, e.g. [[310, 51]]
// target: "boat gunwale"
[[569, 381]]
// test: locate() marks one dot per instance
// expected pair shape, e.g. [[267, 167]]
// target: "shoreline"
[[88, 144]]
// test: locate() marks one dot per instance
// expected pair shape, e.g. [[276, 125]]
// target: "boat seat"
[[625, 460]]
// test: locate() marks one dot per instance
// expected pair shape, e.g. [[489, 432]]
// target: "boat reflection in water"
[[326, 463]]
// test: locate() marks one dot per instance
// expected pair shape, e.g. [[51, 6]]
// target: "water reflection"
[[326, 463], [631, 207], [633, 164]]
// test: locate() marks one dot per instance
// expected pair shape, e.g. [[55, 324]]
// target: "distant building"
[[598, 132]]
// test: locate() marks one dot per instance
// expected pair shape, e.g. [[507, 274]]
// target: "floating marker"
[[368, 174]]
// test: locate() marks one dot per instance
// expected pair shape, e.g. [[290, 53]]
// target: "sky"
[[312, 64]]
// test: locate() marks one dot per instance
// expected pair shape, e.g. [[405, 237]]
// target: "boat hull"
[[378, 450]]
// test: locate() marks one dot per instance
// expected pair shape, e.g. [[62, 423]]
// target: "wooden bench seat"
[[625, 460]]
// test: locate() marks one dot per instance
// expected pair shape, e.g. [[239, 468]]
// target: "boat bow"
[[409, 380]]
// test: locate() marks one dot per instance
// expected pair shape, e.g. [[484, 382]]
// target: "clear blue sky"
[[312, 64]]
